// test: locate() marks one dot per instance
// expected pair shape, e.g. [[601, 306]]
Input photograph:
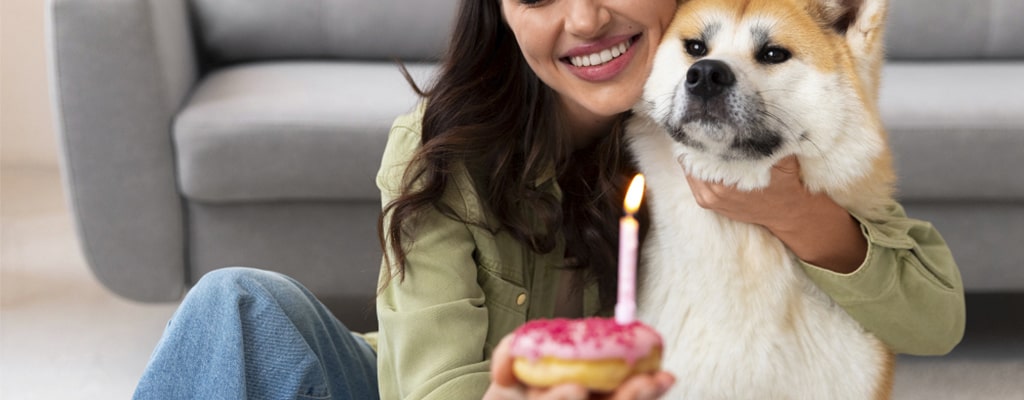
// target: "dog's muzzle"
[[716, 113]]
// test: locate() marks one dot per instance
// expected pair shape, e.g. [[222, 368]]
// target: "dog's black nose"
[[709, 78]]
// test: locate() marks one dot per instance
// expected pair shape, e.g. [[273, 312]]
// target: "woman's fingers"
[[560, 392], [643, 387], [501, 364], [789, 166]]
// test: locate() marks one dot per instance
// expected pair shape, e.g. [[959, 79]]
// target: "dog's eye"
[[774, 55], [695, 47]]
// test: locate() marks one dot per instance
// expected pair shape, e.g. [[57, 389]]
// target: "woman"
[[504, 112], [501, 196]]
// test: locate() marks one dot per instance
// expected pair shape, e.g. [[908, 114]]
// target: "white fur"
[[740, 318]]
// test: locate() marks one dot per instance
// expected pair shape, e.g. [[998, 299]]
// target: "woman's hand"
[[505, 386], [812, 225], [776, 207]]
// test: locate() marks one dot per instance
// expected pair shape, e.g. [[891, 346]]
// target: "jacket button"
[[521, 299]]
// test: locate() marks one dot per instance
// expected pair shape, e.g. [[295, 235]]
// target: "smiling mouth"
[[602, 57]]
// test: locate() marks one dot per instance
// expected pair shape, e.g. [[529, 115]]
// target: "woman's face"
[[595, 53]]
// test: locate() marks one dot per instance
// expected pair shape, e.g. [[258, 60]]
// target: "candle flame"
[[635, 194]]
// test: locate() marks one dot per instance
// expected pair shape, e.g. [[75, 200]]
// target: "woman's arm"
[[908, 291], [895, 275]]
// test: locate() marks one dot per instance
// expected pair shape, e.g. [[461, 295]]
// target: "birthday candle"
[[625, 308]]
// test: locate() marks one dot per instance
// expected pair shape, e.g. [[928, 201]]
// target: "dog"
[[737, 85]]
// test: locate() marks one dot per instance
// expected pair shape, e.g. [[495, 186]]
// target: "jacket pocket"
[[506, 304]]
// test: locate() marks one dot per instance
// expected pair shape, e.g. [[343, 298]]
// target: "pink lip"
[[605, 71]]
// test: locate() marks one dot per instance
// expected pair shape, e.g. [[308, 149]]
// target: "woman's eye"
[[530, 2], [774, 55], [696, 48]]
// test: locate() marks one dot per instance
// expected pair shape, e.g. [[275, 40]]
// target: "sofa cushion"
[[955, 29], [957, 129], [246, 30], [280, 131]]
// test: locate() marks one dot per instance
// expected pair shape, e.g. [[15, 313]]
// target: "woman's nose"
[[587, 18]]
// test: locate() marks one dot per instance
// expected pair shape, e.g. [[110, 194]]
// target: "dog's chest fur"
[[740, 318]]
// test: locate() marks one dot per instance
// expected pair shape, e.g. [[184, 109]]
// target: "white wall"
[[26, 129]]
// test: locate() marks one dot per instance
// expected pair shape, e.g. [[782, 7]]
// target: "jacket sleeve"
[[908, 291], [433, 323]]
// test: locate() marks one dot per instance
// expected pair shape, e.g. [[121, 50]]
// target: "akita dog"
[[736, 86]]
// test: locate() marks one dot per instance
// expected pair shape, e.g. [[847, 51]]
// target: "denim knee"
[[246, 288], [236, 281], [233, 276]]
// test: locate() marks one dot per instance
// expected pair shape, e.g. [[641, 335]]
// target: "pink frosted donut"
[[595, 352]]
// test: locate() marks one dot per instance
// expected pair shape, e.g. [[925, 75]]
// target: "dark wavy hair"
[[488, 111]]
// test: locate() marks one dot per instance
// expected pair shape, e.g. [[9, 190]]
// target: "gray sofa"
[[199, 134]]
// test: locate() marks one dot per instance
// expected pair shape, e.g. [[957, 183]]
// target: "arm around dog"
[[908, 292], [896, 276]]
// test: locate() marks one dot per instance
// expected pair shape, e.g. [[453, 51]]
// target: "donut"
[[597, 353]]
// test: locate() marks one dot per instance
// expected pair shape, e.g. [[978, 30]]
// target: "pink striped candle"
[[625, 307]]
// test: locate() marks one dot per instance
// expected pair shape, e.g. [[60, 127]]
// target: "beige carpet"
[[62, 336]]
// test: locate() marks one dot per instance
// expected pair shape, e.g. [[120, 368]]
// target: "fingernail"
[[665, 385]]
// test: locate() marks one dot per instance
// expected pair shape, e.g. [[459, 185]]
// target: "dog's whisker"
[[798, 134], [785, 122], [783, 90]]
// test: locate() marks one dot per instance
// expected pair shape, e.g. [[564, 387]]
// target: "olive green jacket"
[[466, 287]]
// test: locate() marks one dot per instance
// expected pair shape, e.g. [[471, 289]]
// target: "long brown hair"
[[489, 112]]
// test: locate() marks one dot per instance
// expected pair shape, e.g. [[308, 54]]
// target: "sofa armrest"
[[120, 70]]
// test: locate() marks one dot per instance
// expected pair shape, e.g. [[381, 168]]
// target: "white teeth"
[[601, 57]]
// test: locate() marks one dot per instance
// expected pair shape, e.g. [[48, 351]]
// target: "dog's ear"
[[843, 15], [862, 23]]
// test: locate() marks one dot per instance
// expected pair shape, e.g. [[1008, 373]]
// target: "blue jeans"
[[243, 333]]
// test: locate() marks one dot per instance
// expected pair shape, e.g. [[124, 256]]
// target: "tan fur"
[[884, 390]]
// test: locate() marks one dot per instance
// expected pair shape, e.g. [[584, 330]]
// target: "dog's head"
[[739, 84]]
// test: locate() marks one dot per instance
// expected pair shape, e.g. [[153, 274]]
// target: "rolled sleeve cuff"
[[873, 279]]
